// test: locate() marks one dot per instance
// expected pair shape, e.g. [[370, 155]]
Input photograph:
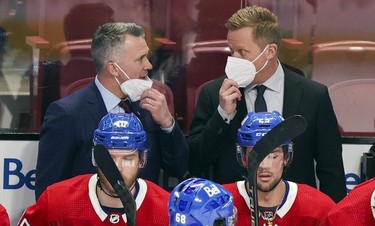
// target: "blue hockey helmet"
[[201, 202], [122, 131], [254, 127]]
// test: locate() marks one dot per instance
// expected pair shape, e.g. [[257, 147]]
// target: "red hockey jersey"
[[4, 218], [74, 202], [357, 208], [304, 205]]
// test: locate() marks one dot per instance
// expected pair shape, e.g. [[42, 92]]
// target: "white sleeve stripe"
[[372, 204]]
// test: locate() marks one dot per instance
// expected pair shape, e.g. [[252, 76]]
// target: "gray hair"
[[108, 40]]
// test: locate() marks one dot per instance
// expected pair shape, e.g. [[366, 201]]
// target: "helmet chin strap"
[[99, 184]]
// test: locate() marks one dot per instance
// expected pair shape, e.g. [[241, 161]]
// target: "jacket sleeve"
[[208, 132], [56, 139], [329, 162], [174, 152]]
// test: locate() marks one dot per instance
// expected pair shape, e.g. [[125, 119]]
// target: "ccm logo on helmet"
[[211, 191], [260, 134]]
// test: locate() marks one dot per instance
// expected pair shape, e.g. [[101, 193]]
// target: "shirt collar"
[[274, 82], [110, 100]]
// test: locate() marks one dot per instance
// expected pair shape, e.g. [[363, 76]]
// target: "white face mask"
[[242, 71], [133, 87]]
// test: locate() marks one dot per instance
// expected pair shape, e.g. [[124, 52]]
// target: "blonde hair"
[[265, 25]]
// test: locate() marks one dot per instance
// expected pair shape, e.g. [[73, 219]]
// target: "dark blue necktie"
[[260, 103]]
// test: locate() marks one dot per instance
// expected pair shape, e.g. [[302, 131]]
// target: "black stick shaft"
[[110, 171], [287, 129]]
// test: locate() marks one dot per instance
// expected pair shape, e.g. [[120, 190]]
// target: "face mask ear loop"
[[121, 70], [263, 67], [117, 81], [129, 79], [125, 75], [260, 54], [258, 57]]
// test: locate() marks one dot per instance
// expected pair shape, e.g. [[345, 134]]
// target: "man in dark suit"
[[120, 54], [254, 38]]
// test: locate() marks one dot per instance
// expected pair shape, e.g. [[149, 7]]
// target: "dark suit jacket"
[[65, 146], [212, 142]]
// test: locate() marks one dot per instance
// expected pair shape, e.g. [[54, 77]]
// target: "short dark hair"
[[108, 40]]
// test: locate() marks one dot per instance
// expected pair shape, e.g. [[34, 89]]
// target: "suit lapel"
[[241, 108], [137, 110], [95, 102], [143, 115], [292, 94]]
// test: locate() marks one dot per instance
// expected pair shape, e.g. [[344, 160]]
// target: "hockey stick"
[[287, 129], [110, 171]]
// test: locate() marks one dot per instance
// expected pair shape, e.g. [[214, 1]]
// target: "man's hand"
[[156, 103], [229, 94]]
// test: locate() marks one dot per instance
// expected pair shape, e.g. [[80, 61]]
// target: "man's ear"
[[285, 161], [271, 51], [112, 69]]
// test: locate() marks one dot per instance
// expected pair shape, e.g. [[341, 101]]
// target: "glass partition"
[[40, 39]]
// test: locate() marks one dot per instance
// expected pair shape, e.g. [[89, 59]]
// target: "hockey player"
[[90, 199], [357, 208], [197, 201], [280, 202]]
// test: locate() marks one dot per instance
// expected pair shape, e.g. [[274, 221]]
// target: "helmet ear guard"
[[143, 158], [288, 153], [241, 155]]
